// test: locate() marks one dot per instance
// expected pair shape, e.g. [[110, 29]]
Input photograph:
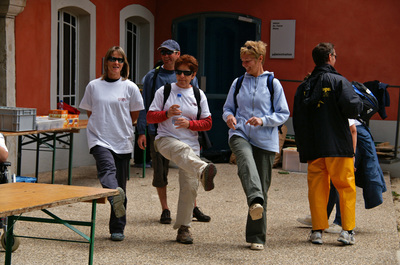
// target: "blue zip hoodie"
[[254, 100]]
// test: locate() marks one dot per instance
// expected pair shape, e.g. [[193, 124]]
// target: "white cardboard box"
[[291, 160]]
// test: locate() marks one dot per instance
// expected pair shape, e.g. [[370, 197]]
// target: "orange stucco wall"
[[33, 46], [365, 34], [32, 56]]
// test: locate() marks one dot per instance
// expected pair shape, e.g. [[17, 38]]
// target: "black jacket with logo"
[[322, 106]]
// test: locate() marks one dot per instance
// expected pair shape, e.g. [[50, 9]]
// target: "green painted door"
[[215, 40]]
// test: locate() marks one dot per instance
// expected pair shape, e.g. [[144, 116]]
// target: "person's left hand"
[[255, 121], [181, 123]]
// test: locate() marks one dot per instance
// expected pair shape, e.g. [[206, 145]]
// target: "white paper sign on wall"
[[282, 42]]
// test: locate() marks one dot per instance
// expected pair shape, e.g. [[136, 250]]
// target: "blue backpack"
[[270, 84], [370, 103]]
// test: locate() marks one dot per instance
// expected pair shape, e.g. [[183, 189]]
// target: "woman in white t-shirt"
[[177, 139], [113, 103]]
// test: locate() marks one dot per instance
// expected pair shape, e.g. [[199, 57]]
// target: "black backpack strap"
[[270, 85], [153, 87], [167, 91], [196, 92], [237, 88]]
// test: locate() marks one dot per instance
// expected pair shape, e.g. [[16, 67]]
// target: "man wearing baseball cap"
[[153, 80]]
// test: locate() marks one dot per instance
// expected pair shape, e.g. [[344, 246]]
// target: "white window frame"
[[85, 11], [144, 21], [133, 66], [72, 60]]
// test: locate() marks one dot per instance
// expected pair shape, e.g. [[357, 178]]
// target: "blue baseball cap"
[[170, 45]]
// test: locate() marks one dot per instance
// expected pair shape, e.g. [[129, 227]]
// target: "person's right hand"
[[142, 141], [174, 111], [231, 122]]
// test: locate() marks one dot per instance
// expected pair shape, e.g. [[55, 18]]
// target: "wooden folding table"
[[19, 198], [47, 139]]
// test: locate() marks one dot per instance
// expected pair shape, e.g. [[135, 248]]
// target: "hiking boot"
[[207, 177], [118, 203], [117, 237], [347, 237], [316, 237], [184, 236], [165, 217], [201, 217], [256, 210]]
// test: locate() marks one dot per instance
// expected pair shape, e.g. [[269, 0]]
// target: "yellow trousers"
[[341, 171]]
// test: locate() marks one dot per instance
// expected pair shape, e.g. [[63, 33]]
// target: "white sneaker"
[[256, 246], [316, 237], [347, 238], [256, 211], [305, 221], [334, 229]]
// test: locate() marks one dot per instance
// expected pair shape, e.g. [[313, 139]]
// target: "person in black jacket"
[[322, 106]]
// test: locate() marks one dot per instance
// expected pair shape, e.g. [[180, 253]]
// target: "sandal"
[[256, 246]]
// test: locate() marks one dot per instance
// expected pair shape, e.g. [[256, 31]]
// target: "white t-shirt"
[[189, 111], [3, 142], [110, 124]]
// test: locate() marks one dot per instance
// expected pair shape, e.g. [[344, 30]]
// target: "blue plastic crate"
[[25, 179]]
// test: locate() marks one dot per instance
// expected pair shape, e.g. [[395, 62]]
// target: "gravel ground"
[[219, 242]]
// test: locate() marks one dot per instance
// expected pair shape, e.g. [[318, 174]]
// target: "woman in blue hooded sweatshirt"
[[253, 135]]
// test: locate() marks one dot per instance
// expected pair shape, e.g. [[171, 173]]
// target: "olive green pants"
[[254, 170]]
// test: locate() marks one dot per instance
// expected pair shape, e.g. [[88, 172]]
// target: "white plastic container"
[[44, 123], [15, 119], [291, 160]]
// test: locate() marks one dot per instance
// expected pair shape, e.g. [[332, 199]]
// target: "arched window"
[[67, 58], [73, 49], [137, 39], [132, 49]]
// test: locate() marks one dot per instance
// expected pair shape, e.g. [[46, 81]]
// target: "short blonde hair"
[[255, 48]]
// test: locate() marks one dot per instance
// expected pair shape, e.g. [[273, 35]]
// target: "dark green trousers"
[[254, 170]]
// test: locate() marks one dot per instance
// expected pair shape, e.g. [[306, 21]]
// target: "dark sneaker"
[[207, 177], [316, 237], [165, 217], [347, 237], [184, 236], [118, 203], [201, 217], [117, 237]]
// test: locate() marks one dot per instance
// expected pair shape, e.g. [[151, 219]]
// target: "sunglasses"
[[114, 59], [167, 52], [187, 73]]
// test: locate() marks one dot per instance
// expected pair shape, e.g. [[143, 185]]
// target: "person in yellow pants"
[[341, 171], [323, 103]]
